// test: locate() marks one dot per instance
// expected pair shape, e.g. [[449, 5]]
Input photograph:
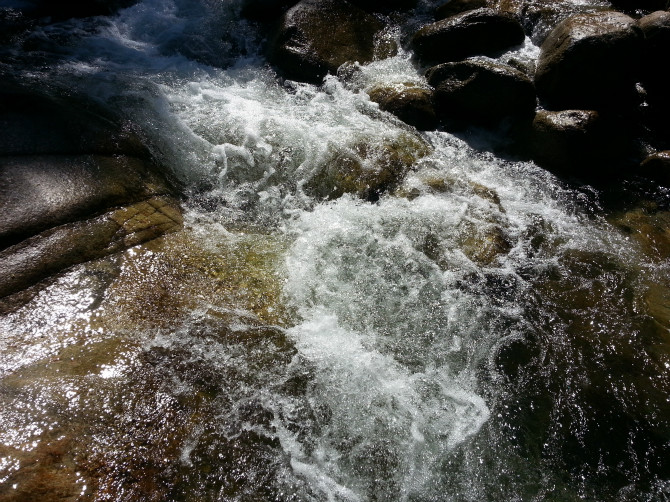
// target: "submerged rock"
[[411, 103], [590, 61], [368, 170], [588, 386], [315, 37], [480, 92], [481, 32]]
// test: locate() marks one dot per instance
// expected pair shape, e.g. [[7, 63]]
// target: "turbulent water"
[[480, 333]]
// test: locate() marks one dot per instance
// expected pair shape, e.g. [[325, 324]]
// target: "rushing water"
[[481, 333]]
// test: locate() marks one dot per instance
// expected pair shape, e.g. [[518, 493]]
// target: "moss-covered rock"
[[369, 169]]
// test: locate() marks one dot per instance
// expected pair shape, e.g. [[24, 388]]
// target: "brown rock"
[[315, 37], [453, 7], [58, 248], [409, 102], [369, 169]]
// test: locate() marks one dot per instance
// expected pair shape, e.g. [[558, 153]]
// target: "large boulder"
[[315, 37], [411, 103], [655, 63], [657, 167], [482, 32], [565, 139], [590, 61], [633, 6], [453, 7], [384, 5], [581, 143], [539, 17], [265, 10], [481, 92]]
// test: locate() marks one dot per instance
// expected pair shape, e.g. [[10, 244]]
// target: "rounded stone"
[[480, 32]]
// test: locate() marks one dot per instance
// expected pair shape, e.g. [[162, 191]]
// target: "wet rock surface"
[[540, 17], [481, 32], [409, 102], [67, 171], [480, 92], [657, 167], [315, 37], [453, 7], [580, 143], [590, 61], [369, 170], [155, 418]]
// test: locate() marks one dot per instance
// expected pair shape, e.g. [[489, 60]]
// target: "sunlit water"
[[386, 377]]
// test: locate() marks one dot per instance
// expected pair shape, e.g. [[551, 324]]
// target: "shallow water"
[[481, 332]]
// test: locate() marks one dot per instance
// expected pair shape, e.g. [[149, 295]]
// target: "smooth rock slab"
[[480, 32], [52, 251], [42, 191]]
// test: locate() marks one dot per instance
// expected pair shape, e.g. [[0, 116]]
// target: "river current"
[[482, 332]]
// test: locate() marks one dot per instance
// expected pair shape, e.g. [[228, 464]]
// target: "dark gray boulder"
[[633, 6], [410, 103], [539, 17], [481, 92], [590, 61], [582, 143], [384, 5], [657, 167], [480, 32], [655, 75], [565, 139], [453, 7], [315, 37]]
